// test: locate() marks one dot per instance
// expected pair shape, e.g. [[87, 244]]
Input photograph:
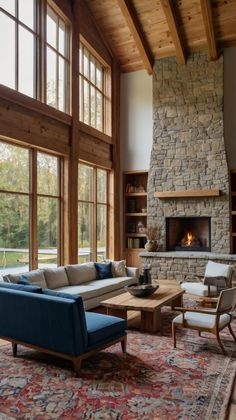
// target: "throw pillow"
[[119, 268], [23, 280], [104, 270]]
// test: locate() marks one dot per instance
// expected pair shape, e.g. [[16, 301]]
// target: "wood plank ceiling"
[[141, 31]]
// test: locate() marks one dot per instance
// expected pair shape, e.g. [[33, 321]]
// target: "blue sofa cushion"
[[22, 287], [104, 270], [102, 327]]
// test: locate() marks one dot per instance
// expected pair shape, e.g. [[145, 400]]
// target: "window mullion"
[[95, 215], [17, 47], [33, 211]]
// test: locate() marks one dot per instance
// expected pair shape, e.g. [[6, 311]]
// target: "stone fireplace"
[[188, 163]]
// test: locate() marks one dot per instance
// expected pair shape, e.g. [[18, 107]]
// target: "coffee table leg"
[[151, 321], [121, 313], [177, 302]]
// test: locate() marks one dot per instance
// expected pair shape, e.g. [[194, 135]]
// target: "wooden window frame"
[[33, 199], [94, 202], [105, 91], [40, 52]]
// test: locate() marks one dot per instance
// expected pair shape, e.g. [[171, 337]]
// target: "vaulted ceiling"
[[141, 31]]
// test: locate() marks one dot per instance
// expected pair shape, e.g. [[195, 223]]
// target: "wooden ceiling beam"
[[169, 12], [136, 30], [209, 28]]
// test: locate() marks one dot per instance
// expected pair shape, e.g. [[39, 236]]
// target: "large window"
[[57, 61], [18, 41], [93, 91], [29, 210], [92, 213], [34, 51]]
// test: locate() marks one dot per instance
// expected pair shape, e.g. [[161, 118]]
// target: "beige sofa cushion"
[[34, 277], [119, 268], [81, 273], [56, 277]]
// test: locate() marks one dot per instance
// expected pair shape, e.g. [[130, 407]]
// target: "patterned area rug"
[[153, 381]]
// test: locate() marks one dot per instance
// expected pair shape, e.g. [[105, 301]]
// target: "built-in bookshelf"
[[135, 215], [233, 209]]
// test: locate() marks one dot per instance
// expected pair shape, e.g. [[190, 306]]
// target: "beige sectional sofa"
[[80, 279]]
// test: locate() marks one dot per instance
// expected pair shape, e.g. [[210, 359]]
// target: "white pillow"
[[119, 268], [34, 277], [56, 277]]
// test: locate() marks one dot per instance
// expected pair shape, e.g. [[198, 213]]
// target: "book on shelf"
[[136, 242]]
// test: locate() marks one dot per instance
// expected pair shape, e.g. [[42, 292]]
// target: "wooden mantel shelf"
[[187, 193]]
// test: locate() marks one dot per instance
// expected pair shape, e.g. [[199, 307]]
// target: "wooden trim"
[[209, 28], [168, 8], [95, 133], [189, 193], [34, 105], [136, 30], [33, 257], [139, 171]]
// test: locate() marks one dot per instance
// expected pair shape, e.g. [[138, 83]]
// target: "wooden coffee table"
[[150, 307]]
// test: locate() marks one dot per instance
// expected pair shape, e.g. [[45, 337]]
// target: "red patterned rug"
[[153, 381]]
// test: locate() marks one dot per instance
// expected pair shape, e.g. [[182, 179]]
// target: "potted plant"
[[152, 235]]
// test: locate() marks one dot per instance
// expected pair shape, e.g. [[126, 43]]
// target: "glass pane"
[[51, 78], [52, 22], [14, 233], [99, 111], [81, 103], [27, 12], [101, 186], [47, 175], [8, 5], [26, 62], [93, 106], [99, 76], [85, 187], [47, 231], [86, 103], [86, 63], [14, 168], [85, 240], [62, 37], [81, 59], [101, 231], [7, 50], [61, 85], [92, 70]]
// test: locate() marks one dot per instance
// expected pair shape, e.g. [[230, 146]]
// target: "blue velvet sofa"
[[55, 323]]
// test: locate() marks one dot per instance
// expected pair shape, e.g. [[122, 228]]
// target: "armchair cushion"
[[217, 269], [198, 288], [102, 327], [193, 319]]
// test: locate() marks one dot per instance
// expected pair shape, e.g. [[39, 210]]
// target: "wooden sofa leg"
[[124, 344], [14, 349], [77, 364], [174, 335]]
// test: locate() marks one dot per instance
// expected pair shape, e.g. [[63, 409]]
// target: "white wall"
[[230, 105], [136, 120]]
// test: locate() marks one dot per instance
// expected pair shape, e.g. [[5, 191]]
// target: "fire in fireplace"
[[188, 234]]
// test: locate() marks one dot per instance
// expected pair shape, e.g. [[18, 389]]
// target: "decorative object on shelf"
[[142, 290], [152, 234], [140, 228], [144, 210], [131, 205], [140, 189], [131, 227]]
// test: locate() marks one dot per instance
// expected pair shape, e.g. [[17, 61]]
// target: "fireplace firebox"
[[188, 234]]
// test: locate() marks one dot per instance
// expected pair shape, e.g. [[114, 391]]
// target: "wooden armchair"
[[208, 320]]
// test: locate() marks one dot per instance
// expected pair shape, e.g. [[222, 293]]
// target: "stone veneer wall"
[[188, 144]]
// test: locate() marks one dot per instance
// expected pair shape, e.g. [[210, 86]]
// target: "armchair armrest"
[[209, 311], [132, 272]]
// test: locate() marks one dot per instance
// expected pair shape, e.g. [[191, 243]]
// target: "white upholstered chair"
[[211, 320], [217, 277]]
